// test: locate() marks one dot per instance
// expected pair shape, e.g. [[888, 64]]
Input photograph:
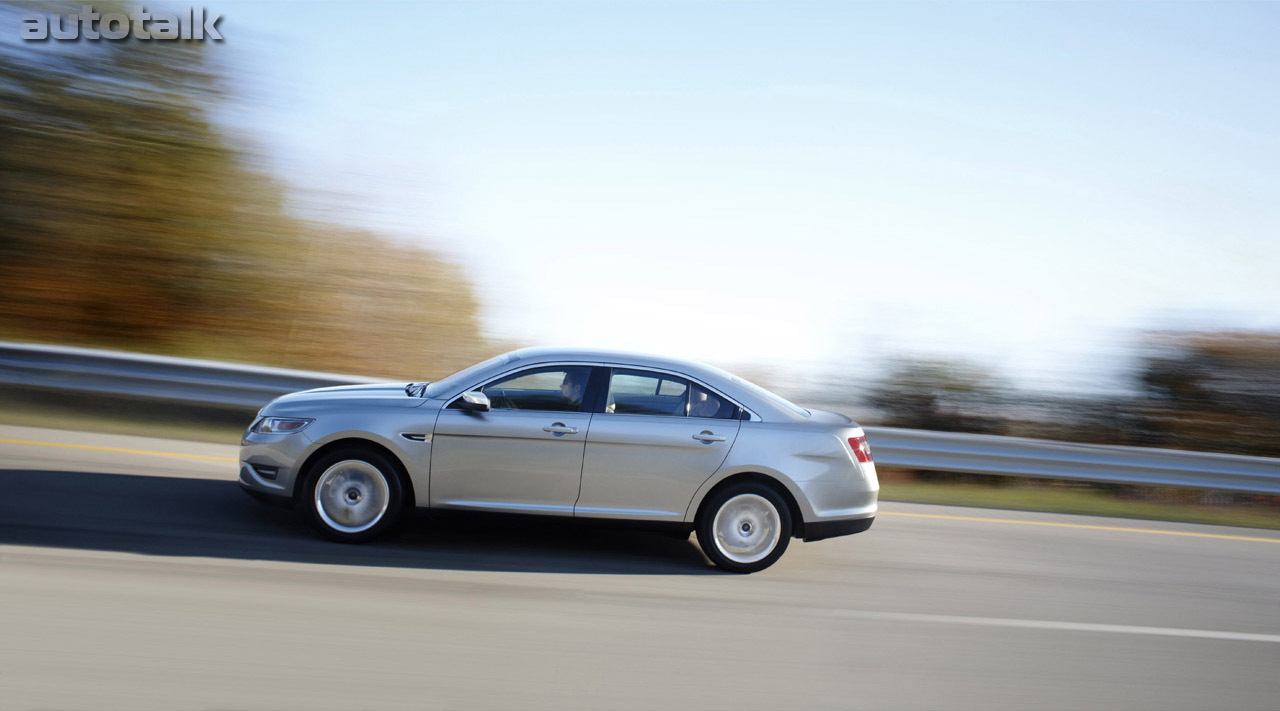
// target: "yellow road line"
[[118, 450], [1093, 527]]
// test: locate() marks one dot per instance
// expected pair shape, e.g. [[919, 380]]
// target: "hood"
[[372, 395]]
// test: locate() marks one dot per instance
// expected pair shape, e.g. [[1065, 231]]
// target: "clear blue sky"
[[1022, 184]]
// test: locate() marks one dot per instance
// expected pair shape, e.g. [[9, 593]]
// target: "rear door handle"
[[707, 436], [559, 429]]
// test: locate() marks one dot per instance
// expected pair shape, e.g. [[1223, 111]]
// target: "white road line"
[[1059, 626]]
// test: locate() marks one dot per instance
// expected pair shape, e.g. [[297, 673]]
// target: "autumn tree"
[[130, 219]]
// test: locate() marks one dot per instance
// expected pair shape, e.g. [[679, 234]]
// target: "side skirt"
[[678, 529]]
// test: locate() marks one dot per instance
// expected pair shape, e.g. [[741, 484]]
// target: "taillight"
[[860, 448]]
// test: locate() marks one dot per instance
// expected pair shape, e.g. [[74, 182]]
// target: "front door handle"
[[707, 436], [559, 429]]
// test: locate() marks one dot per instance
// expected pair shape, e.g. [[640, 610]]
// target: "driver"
[[575, 381]]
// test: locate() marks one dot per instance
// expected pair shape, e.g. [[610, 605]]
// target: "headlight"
[[281, 425]]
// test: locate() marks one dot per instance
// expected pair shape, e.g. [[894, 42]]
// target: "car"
[[571, 433]]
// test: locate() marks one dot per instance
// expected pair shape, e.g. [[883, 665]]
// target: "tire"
[[353, 495], [744, 527]]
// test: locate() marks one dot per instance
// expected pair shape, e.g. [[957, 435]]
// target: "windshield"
[[462, 377]]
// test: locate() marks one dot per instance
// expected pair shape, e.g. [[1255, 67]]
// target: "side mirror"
[[474, 401]]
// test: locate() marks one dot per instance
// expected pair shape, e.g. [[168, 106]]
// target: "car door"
[[645, 456], [524, 454]]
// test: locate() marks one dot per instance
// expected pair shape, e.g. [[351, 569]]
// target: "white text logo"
[[190, 24]]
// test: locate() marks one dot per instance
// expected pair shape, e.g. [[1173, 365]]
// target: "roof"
[[538, 354]]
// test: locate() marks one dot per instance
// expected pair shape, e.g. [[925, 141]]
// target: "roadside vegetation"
[[1199, 391], [130, 220]]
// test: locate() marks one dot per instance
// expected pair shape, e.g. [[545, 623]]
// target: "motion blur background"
[[1042, 219]]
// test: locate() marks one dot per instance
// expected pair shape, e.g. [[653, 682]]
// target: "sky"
[[813, 187]]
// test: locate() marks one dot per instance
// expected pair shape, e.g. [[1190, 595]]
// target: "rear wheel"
[[353, 495], [745, 527]]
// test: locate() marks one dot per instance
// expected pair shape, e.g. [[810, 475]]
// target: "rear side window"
[[642, 392], [638, 392], [704, 403]]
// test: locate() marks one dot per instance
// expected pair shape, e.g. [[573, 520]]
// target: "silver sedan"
[[587, 434]]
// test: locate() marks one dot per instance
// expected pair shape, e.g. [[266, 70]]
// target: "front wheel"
[[745, 527], [353, 495]]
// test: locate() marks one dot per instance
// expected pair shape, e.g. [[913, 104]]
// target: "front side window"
[[555, 388], [638, 392]]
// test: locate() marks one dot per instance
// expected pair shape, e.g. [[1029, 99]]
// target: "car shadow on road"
[[175, 516]]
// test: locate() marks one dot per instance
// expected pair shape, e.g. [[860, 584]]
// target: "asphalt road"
[[131, 578]]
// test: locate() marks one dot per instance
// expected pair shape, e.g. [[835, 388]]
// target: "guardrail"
[[202, 382], [133, 375], [1017, 456]]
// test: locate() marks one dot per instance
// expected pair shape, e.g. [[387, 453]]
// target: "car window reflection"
[[553, 389]]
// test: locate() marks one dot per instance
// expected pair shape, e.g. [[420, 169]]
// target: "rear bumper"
[[819, 530]]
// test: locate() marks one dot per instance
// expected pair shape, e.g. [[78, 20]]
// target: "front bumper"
[[275, 499], [269, 464]]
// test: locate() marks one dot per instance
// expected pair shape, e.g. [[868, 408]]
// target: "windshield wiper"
[[416, 389]]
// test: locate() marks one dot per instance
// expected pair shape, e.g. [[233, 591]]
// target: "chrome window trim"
[[668, 371], [752, 416]]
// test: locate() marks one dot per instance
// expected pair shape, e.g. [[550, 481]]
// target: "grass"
[[1060, 497]]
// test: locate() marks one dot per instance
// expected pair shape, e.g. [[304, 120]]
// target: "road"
[[134, 574]]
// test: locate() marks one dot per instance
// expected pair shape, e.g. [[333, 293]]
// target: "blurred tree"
[[127, 219], [117, 197], [939, 395], [359, 303], [1212, 392]]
